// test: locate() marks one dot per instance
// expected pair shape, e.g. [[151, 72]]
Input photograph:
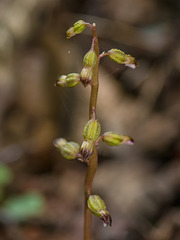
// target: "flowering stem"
[[93, 161]]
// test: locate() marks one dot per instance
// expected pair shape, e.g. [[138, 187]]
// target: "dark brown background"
[[139, 183]]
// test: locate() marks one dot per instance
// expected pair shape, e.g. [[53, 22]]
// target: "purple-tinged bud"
[[128, 140], [77, 28], [61, 82], [106, 217], [72, 79], [86, 150], [90, 58], [122, 58], [131, 62], [86, 75], [97, 206], [92, 130], [70, 150], [114, 139]]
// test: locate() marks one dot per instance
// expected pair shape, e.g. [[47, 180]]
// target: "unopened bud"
[[97, 206], [86, 150], [86, 75], [70, 150], [92, 130], [90, 58], [77, 28], [72, 79], [59, 143], [122, 58], [131, 62], [117, 55], [61, 82], [114, 139]]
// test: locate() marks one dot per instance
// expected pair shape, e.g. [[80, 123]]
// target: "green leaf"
[[24, 206], [5, 175]]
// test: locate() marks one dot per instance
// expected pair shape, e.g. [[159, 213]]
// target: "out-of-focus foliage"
[[6, 177], [23, 207]]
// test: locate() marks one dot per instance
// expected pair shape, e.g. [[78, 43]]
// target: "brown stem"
[[93, 161]]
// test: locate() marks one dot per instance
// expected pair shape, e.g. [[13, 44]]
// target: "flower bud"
[[90, 58], [86, 150], [97, 206], [131, 62], [72, 79], [122, 58], [78, 27], [59, 143], [117, 55], [92, 130], [86, 75], [70, 150], [114, 139], [61, 82]]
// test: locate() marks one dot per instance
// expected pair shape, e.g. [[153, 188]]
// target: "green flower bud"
[[86, 150], [90, 58], [122, 58], [92, 130], [78, 27], [59, 143], [86, 76], [70, 150], [97, 206], [61, 82], [72, 79], [117, 55], [114, 139]]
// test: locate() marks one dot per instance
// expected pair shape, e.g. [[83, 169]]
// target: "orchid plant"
[[87, 151]]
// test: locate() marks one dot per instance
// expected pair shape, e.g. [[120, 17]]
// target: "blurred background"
[[41, 194]]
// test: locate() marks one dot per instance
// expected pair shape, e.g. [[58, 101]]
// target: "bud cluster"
[[92, 130], [91, 133], [89, 61]]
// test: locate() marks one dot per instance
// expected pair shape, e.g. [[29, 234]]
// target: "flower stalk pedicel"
[[87, 152]]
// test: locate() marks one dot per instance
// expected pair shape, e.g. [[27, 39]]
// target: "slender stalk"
[[93, 161], [95, 82]]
